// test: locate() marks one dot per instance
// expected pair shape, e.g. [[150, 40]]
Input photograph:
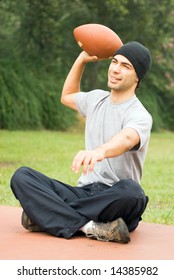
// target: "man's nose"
[[116, 68]]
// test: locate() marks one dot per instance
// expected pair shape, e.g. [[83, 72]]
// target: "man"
[[109, 201]]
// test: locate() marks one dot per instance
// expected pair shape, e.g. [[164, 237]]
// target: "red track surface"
[[148, 242]]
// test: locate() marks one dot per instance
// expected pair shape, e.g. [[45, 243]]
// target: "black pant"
[[62, 210]]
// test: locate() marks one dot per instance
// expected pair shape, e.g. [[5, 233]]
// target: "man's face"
[[121, 74]]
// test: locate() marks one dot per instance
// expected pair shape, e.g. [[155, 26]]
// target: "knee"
[[18, 176], [129, 190]]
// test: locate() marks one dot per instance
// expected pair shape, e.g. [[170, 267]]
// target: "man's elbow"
[[65, 100], [68, 101], [62, 100]]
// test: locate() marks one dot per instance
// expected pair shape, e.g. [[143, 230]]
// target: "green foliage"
[[37, 49], [28, 102]]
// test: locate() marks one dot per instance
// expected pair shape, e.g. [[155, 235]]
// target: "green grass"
[[158, 179], [52, 153]]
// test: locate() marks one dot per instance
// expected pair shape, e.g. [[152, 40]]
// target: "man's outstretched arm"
[[122, 142]]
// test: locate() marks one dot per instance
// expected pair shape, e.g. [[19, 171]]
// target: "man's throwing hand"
[[88, 159]]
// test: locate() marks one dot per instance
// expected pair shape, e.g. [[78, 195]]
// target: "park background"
[[37, 49]]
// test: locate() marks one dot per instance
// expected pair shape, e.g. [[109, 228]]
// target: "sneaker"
[[115, 231], [29, 224]]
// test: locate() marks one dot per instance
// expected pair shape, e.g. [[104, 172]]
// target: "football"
[[97, 39]]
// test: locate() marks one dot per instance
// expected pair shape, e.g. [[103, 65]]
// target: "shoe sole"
[[119, 233], [28, 224]]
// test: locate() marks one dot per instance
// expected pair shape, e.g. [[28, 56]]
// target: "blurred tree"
[[38, 47]]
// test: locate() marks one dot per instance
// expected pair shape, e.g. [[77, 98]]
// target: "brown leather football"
[[97, 39]]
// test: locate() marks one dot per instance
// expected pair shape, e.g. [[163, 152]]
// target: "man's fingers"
[[82, 158], [77, 162], [87, 162], [86, 158], [92, 164]]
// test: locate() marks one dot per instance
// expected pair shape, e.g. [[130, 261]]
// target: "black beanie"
[[138, 55]]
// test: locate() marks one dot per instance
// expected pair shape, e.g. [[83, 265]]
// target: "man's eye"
[[126, 66], [114, 61]]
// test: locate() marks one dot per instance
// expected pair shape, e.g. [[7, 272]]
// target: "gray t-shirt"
[[103, 120]]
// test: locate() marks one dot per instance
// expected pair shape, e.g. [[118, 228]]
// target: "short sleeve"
[[141, 121]]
